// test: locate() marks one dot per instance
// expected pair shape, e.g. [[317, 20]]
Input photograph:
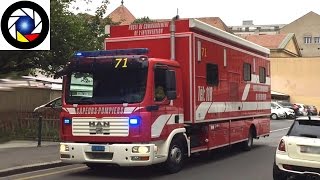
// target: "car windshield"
[[305, 128], [104, 83]]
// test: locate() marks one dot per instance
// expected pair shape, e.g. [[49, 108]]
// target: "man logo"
[[99, 124], [25, 25], [98, 127]]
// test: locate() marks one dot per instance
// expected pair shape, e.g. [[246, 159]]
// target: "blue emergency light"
[[67, 121], [116, 52], [134, 121]]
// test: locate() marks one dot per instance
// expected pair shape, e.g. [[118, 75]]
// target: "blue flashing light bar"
[[116, 52]]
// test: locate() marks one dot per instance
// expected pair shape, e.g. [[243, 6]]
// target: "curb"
[[30, 168]]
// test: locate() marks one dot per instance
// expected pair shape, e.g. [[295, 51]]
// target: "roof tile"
[[122, 15], [269, 41]]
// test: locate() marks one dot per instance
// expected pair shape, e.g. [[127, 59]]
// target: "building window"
[[317, 40], [307, 39], [212, 74], [247, 72], [262, 75]]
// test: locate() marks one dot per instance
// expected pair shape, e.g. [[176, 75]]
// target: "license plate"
[[97, 148], [310, 149]]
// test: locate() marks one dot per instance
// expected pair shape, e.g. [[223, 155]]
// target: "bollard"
[[39, 130]]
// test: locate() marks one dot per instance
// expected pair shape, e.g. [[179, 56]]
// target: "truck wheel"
[[274, 116], [247, 145], [175, 158]]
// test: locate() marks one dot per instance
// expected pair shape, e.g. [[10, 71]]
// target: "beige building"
[[297, 77], [307, 31]]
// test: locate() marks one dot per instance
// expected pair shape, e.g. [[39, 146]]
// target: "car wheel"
[[291, 116], [274, 116], [278, 174], [175, 158], [247, 145]]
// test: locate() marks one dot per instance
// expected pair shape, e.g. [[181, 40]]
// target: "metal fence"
[[25, 126]]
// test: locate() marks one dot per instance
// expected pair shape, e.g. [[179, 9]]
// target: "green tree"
[[142, 20], [69, 32]]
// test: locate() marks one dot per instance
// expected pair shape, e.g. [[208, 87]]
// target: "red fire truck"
[[162, 91]]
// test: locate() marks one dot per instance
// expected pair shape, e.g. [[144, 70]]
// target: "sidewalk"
[[23, 156]]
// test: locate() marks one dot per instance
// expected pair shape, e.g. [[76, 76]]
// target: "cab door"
[[164, 92]]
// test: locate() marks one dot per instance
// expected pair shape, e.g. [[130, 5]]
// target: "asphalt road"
[[224, 164]]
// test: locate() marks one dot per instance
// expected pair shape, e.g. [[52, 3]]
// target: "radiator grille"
[[116, 126]]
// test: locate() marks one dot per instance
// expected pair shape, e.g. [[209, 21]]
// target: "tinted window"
[[247, 72], [160, 83], [262, 75], [212, 74], [305, 128], [103, 83]]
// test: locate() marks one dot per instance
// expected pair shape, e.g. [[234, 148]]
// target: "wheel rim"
[[274, 116], [176, 154]]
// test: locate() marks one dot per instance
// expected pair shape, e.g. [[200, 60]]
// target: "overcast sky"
[[232, 12]]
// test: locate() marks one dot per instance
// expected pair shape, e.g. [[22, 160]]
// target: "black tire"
[[247, 145], [278, 174], [274, 116], [291, 116], [176, 156]]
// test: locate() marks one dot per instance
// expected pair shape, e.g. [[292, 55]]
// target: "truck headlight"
[[141, 149], [64, 148]]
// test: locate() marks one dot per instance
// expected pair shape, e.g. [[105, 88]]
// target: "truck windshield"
[[102, 83]]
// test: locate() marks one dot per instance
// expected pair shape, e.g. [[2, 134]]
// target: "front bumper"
[[291, 114], [297, 166], [120, 154]]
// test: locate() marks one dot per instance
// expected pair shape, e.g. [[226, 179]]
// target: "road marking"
[[48, 174], [279, 129]]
